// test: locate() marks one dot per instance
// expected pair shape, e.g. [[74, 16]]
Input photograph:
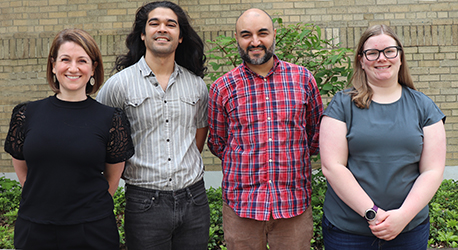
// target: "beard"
[[257, 60]]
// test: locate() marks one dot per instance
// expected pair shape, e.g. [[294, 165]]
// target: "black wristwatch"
[[371, 213]]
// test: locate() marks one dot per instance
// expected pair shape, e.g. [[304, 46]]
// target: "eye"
[[390, 51], [372, 52]]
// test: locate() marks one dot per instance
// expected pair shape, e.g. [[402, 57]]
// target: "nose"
[[73, 67], [162, 28], [255, 41], [382, 56]]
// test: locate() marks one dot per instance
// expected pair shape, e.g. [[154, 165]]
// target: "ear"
[[53, 62], [94, 66], [142, 36], [361, 61]]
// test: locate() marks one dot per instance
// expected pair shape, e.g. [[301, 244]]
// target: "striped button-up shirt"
[[163, 123], [264, 129]]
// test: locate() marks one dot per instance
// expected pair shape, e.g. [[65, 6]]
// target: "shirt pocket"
[[191, 100], [187, 110], [141, 110], [291, 107], [136, 101], [246, 110]]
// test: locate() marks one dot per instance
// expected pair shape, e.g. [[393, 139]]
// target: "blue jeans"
[[336, 239], [164, 220]]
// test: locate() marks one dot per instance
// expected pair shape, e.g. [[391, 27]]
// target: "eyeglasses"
[[389, 52]]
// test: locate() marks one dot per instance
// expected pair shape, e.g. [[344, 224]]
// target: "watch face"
[[370, 214]]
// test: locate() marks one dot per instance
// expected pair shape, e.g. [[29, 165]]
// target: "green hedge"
[[443, 212]]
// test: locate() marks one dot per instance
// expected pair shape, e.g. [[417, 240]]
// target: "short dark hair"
[[83, 39], [189, 53]]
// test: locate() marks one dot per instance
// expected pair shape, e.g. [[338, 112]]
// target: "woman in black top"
[[68, 152]]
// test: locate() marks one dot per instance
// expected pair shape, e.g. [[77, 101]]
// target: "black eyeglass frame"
[[399, 48]]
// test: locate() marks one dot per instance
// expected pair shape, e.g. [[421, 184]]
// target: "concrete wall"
[[428, 29]]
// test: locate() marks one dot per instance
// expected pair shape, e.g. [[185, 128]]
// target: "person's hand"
[[388, 225], [380, 213]]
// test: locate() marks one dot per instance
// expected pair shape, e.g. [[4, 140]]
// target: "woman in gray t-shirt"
[[383, 148]]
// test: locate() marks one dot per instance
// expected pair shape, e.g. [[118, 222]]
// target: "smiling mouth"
[[383, 67], [162, 39], [73, 77], [256, 50]]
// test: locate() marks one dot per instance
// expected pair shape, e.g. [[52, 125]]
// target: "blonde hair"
[[362, 92]]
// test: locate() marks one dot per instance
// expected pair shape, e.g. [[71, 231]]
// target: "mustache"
[[253, 47]]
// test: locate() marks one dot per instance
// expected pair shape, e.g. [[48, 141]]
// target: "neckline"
[[68, 104], [394, 102]]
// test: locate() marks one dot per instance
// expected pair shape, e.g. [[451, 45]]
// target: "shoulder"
[[119, 115], [189, 75], [283, 65], [341, 97], [21, 107], [32, 104], [420, 99], [120, 121], [19, 112], [193, 80], [100, 107], [127, 73], [232, 76], [415, 93], [120, 82], [428, 111], [340, 101]]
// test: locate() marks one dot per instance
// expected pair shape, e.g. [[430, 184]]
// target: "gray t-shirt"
[[384, 148]]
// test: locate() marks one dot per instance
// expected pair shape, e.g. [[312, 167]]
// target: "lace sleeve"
[[14, 141], [120, 147]]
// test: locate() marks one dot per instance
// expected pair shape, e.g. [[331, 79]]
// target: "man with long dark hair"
[[160, 87]]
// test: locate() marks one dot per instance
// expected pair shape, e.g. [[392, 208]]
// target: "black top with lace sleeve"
[[66, 146]]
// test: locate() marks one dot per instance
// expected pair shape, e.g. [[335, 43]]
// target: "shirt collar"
[[146, 71], [274, 67]]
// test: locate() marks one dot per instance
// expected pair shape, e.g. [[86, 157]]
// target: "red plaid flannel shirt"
[[264, 130]]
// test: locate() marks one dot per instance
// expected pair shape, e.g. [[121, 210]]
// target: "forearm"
[[216, 143], [347, 188], [112, 174], [20, 167], [390, 224], [201, 136], [217, 122], [421, 193]]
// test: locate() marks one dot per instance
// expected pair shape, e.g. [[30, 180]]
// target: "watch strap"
[[374, 209]]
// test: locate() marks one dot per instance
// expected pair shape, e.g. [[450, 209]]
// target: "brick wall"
[[428, 29]]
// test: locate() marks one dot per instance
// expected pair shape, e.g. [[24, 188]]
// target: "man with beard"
[[264, 119]]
